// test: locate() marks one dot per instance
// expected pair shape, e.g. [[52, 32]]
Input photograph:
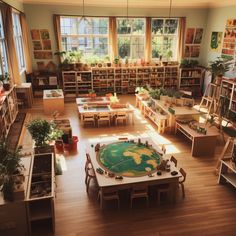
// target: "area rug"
[[15, 131]]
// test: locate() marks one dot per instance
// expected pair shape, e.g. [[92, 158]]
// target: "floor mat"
[[15, 131]]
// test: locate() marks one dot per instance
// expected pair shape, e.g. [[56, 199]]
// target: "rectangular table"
[[106, 108], [127, 182], [93, 101], [53, 100], [202, 144]]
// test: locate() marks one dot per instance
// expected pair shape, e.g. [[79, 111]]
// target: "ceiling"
[[138, 3]]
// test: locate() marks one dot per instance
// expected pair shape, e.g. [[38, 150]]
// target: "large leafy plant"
[[43, 131], [220, 66]]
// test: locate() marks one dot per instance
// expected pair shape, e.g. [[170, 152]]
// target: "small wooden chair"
[[104, 117], [89, 172], [121, 116], [181, 182], [139, 191], [163, 189], [108, 194], [173, 159], [88, 118]]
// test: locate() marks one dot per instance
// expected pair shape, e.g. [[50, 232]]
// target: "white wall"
[[41, 16], [216, 21]]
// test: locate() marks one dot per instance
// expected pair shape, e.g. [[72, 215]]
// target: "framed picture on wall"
[[42, 55], [35, 34], [44, 34], [46, 44], [216, 41], [37, 45], [189, 35], [198, 36], [195, 51]]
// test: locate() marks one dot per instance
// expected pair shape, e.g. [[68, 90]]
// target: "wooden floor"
[[208, 209]]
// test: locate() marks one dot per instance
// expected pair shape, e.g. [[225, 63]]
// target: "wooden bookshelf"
[[8, 111], [118, 79], [191, 80]]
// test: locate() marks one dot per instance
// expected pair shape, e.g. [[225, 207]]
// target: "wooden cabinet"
[[191, 80], [76, 83], [24, 94], [227, 173], [8, 111], [43, 80], [40, 194]]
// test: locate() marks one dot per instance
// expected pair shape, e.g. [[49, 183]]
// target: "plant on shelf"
[[116, 61], [155, 93], [5, 79], [11, 167], [188, 63], [42, 132], [141, 90], [218, 68]]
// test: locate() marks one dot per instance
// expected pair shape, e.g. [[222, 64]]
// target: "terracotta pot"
[[6, 87]]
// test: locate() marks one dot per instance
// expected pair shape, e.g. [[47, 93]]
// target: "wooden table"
[[107, 108], [202, 144], [127, 182], [53, 103], [182, 111], [93, 101]]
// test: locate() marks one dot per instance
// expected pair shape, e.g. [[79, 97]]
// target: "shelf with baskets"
[[191, 80]]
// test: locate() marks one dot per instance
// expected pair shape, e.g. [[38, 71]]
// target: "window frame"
[[4, 68], [132, 36], [84, 35], [18, 40], [175, 36]]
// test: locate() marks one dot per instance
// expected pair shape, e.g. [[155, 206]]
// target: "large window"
[[3, 59], [18, 40], [90, 35], [164, 38], [131, 37]]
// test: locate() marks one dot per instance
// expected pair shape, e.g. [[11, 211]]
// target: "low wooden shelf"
[[202, 144], [227, 173]]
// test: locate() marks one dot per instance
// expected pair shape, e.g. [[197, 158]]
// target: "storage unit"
[[43, 80], [8, 110], [118, 79], [40, 194], [24, 94], [227, 106], [76, 83], [227, 173], [191, 80]]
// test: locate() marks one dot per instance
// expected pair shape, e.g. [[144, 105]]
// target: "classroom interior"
[[117, 117]]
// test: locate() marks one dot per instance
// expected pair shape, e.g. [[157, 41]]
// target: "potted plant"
[[42, 132], [163, 94], [5, 79], [10, 171], [116, 61], [218, 68]]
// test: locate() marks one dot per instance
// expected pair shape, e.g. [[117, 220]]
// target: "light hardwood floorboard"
[[208, 209]]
